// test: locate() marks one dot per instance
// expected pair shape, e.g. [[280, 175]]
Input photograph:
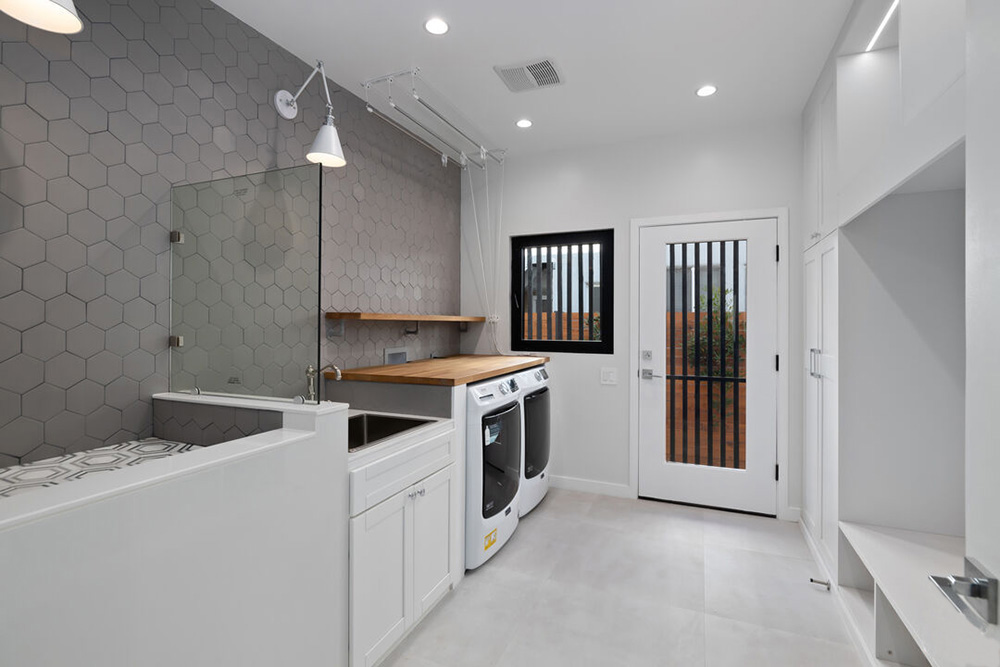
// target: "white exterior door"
[[708, 382]]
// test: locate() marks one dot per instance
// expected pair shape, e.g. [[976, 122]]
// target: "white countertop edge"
[[322, 408], [37, 504]]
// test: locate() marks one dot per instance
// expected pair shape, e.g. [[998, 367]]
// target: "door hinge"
[[775, 472], [777, 253], [777, 362]]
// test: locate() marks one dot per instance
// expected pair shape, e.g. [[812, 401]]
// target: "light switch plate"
[[609, 376]]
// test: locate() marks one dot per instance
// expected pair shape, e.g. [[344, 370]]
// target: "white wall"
[[902, 364], [982, 386], [606, 186]]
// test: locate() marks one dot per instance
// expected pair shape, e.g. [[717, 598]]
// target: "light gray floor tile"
[[773, 591], [593, 580], [737, 644]]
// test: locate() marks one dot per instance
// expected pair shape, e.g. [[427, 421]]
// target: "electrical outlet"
[[609, 376]]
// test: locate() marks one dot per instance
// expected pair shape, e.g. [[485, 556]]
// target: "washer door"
[[501, 458], [536, 433]]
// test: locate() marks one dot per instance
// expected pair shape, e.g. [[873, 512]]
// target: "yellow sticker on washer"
[[490, 540]]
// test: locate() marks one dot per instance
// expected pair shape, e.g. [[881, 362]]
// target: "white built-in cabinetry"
[[884, 331], [819, 169], [402, 543], [819, 482]]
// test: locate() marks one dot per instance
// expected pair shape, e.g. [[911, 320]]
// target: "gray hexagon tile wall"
[[94, 130]]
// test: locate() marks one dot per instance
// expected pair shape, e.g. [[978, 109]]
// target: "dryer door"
[[536, 433], [501, 458]]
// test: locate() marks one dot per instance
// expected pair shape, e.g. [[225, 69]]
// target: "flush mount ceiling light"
[[524, 123], [706, 91], [52, 15], [436, 26], [882, 25], [326, 149]]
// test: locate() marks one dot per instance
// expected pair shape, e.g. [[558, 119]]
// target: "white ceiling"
[[630, 67]]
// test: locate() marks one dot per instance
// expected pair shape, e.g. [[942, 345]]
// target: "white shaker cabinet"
[[820, 452], [820, 166], [401, 564]]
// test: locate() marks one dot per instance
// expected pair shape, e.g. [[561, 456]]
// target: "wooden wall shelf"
[[338, 318], [401, 317]]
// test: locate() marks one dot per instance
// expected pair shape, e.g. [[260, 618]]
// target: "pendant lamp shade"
[[52, 15], [326, 149]]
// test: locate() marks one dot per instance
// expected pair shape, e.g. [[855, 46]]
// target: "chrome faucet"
[[311, 383], [336, 371]]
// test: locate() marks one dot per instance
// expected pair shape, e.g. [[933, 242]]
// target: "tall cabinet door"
[[812, 489], [827, 370], [380, 555], [432, 524], [819, 455]]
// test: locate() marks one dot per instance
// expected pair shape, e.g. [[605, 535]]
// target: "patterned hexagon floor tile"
[[69, 467]]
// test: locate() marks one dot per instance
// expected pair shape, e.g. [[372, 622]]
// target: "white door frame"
[[785, 510]]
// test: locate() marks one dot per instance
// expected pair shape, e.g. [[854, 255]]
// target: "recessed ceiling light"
[[524, 123], [882, 25], [707, 91], [436, 26]]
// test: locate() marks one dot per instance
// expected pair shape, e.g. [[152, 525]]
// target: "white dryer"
[[536, 439], [493, 467]]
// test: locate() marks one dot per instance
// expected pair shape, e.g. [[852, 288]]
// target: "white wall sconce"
[[52, 15], [326, 149]]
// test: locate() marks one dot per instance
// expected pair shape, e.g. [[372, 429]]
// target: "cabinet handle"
[[411, 495], [813, 365], [421, 492]]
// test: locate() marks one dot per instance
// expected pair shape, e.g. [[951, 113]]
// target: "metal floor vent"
[[529, 75]]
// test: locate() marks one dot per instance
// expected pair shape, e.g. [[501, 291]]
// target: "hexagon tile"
[[96, 128]]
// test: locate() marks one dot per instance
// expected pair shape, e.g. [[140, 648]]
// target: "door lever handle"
[[647, 374]]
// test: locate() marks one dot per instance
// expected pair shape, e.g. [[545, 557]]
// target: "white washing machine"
[[493, 467], [536, 439]]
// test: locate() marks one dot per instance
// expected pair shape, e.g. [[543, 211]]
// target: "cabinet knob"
[[411, 495], [421, 492]]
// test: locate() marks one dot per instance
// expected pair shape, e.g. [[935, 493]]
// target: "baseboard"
[[793, 514], [591, 486], [857, 639]]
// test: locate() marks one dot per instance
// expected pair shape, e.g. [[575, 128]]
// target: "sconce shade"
[[52, 15], [326, 149]]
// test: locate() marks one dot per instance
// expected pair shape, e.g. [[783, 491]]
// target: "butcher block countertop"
[[445, 372]]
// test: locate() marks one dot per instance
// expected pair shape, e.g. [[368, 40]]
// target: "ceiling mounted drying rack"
[[450, 132]]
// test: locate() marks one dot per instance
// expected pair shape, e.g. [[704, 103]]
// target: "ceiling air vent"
[[530, 75]]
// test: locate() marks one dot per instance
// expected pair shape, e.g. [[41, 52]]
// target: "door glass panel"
[[706, 353]]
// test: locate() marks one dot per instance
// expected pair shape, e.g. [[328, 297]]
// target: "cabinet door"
[[812, 492], [812, 174], [829, 397], [830, 163], [432, 539], [380, 600]]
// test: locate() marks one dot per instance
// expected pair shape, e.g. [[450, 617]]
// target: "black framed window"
[[562, 292]]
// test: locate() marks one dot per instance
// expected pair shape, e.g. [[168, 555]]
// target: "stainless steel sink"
[[367, 429]]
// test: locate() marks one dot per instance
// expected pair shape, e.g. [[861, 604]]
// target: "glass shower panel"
[[245, 283]]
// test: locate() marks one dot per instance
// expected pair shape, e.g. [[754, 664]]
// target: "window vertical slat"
[[579, 292], [557, 305], [736, 354], [590, 292], [684, 356], [722, 347], [568, 326], [673, 351], [708, 334], [697, 353]]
